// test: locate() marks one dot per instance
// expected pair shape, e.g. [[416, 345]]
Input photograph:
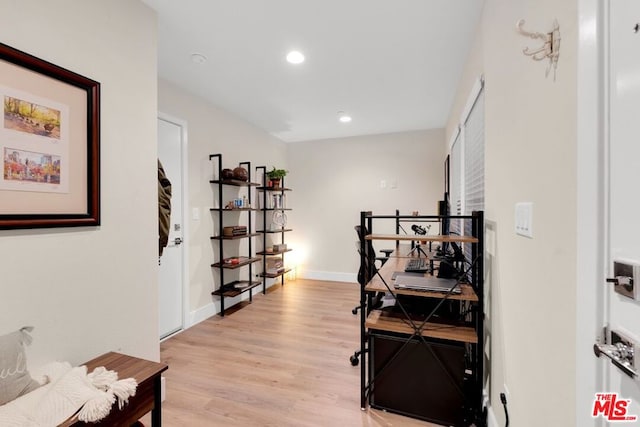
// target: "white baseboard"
[[201, 314], [329, 276]]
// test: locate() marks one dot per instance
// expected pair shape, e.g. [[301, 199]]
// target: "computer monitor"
[[443, 211]]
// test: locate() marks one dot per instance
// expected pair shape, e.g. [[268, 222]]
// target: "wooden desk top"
[[383, 321], [397, 263]]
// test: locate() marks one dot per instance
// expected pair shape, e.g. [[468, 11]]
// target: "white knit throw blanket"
[[68, 391]]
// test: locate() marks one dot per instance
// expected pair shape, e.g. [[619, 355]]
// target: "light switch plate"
[[524, 219]]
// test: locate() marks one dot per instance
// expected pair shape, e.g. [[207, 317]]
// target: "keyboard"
[[417, 265]]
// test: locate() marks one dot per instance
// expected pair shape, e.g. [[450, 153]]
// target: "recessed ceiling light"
[[344, 117], [295, 57], [198, 58]]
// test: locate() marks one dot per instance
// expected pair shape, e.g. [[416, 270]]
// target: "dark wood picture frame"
[[32, 204]]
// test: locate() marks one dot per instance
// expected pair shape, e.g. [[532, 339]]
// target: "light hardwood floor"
[[281, 361]]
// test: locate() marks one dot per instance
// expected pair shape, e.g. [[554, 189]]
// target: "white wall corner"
[[491, 418]]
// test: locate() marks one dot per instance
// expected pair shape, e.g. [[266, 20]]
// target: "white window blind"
[[473, 164], [474, 157], [467, 164]]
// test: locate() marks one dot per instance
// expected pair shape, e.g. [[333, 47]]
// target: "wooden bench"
[[147, 397]]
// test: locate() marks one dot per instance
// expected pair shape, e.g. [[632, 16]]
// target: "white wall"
[[530, 155], [474, 67], [333, 180], [91, 290], [211, 131]]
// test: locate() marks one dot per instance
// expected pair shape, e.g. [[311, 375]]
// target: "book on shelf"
[[236, 230]]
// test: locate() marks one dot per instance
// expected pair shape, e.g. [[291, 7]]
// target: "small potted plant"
[[275, 175]]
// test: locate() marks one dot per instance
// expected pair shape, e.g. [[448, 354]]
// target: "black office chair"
[[365, 274], [367, 270]]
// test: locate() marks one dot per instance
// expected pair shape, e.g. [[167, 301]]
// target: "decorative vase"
[[275, 182]]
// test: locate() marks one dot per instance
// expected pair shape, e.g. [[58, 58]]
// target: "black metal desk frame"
[[474, 412]]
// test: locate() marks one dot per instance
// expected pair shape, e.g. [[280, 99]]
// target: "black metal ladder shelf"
[[235, 287]]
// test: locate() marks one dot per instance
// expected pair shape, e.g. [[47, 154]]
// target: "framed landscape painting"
[[50, 144]]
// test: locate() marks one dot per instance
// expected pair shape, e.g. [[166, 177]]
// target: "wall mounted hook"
[[550, 48]]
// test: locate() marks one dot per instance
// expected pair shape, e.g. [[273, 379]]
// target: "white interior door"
[[622, 313], [171, 275]]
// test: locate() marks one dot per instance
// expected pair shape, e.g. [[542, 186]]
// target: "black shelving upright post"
[[218, 157]]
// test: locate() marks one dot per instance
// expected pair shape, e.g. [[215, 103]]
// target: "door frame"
[[592, 165], [185, 217]]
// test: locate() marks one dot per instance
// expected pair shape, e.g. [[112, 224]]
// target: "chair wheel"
[[354, 360]]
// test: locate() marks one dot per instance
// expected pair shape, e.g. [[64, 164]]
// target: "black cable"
[[503, 399]]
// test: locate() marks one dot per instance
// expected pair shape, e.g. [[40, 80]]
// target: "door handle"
[[177, 241], [618, 357], [621, 352]]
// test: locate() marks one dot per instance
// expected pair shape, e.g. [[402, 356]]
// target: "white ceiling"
[[393, 65]]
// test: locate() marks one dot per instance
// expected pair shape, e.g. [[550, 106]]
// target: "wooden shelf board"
[[273, 276], [425, 238], [273, 189], [466, 294], [273, 253], [234, 182], [276, 209], [379, 321], [283, 230], [230, 292], [244, 236], [242, 263], [233, 210]]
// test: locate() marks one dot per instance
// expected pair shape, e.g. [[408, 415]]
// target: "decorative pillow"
[[15, 380]]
